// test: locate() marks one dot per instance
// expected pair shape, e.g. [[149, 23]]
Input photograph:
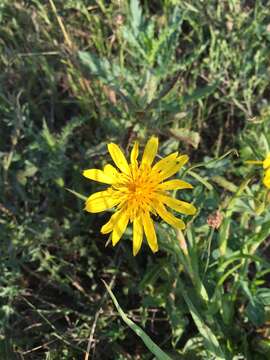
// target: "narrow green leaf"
[[80, 196], [136, 14], [47, 136], [200, 93], [227, 185], [200, 179], [97, 66], [160, 354], [210, 339], [212, 162], [255, 312]]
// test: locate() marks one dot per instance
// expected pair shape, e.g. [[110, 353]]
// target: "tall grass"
[[78, 74]]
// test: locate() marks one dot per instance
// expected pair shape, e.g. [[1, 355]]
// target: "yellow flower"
[[266, 179], [266, 165], [266, 162], [138, 191]]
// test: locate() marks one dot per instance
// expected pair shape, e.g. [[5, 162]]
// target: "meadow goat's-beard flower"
[[138, 191], [266, 166], [266, 179]]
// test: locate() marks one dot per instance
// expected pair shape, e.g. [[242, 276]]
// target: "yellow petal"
[[266, 179], [254, 162], [119, 227], [108, 227], [100, 201], [134, 153], [118, 158], [111, 171], [168, 217], [266, 163], [266, 182], [170, 159], [99, 175], [174, 185], [178, 205], [150, 232], [150, 151], [137, 235], [171, 169]]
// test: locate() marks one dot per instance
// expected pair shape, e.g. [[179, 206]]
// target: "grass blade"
[[210, 339], [145, 338]]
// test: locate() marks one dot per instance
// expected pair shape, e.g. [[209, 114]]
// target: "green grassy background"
[[76, 75]]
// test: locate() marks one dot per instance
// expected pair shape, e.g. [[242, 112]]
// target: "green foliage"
[[90, 72], [154, 349]]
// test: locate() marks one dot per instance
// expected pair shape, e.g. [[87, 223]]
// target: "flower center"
[[140, 192]]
